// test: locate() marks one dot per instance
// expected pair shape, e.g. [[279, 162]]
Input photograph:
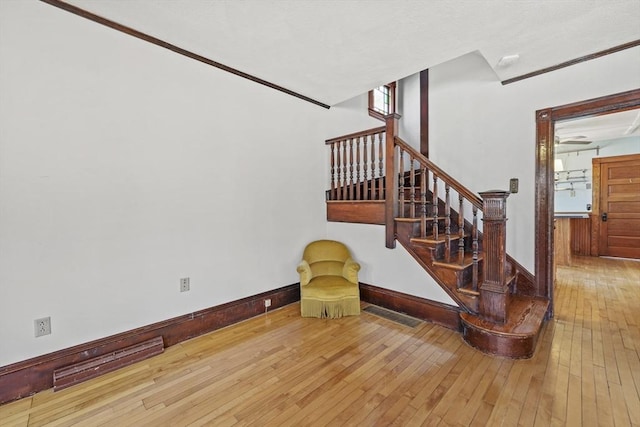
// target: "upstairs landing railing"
[[357, 165]]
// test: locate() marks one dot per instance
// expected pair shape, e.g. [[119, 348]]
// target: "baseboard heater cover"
[[91, 368]]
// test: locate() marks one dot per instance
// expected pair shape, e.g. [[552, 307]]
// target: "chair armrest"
[[350, 270], [305, 272]]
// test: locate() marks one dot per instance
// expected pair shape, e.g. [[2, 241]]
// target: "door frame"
[[544, 176]]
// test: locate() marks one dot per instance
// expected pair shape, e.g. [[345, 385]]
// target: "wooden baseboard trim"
[[30, 376], [421, 308]]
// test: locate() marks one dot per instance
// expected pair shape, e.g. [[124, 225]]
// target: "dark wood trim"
[[361, 212], [153, 40], [544, 207], [424, 112], [391, 180], [573, 62], [544, 175], [356, 135], [33, 375], [420, 308]]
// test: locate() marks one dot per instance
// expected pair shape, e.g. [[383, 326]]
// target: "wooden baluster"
[[412, 183], [358, 174], [401, 209], [333, 172], [474, 248], [423, 202], [350, 168], [338, 171], [435, 207], [381, 195], [447, 223], [365, 169], [343, 187], [373, 168], [460, 229]]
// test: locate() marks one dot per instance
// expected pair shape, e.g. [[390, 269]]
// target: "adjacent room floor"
[[282, 370]]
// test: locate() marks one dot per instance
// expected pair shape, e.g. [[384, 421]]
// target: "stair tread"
[[455, 265], [525, 316], [469, 292], [416, 220], [431, 241]]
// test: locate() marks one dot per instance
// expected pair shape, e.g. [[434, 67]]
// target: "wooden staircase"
[[501, 309]]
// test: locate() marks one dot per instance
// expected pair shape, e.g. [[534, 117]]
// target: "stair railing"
[[357, 165], [420, 183]]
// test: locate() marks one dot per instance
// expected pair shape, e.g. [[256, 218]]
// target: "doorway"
[[545, 176]]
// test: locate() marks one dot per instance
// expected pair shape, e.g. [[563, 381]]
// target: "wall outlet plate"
[[267, 303], [185, 284], [42, 326]]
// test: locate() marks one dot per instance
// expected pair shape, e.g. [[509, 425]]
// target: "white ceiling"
[[599, 131], [333, 50]]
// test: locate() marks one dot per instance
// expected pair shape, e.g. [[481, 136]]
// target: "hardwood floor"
[[282, 370]]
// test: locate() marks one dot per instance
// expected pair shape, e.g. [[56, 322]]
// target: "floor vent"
[[91, 368], [393, 316]]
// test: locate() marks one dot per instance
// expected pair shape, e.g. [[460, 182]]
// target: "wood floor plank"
[[280, 369]]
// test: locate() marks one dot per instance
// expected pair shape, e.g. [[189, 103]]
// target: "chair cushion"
[[329, 288]]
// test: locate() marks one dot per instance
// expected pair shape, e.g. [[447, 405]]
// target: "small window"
[[382, 101]]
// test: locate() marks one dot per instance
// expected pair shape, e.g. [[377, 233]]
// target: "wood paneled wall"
[[580, 236]]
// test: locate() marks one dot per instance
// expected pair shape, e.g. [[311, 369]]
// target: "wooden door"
[[618, 220]]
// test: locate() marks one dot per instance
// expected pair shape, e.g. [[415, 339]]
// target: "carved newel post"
[[494, 290]]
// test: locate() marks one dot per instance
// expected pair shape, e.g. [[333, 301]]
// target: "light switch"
[[513, 185]]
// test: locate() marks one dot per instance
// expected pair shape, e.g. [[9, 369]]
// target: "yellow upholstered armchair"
[[328, 281]]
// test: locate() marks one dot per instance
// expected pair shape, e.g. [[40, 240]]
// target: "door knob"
[[604, 217]]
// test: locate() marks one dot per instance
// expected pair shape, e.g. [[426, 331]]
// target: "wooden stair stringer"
[[467, 303]]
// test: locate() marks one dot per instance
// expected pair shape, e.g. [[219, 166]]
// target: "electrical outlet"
[[267, 303], [42, 326], [185, 286]]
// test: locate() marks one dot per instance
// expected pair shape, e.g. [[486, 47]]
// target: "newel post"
[[391, 180], [494, 290]]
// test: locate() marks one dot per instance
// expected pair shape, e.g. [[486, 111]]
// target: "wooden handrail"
[[356, 135], [460, 189]]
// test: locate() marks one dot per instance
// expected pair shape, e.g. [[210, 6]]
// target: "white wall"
[[576, 201], [124, 167], [484, 132]]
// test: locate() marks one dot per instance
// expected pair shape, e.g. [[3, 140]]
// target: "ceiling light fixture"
[[508, 60], [634, 126]]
